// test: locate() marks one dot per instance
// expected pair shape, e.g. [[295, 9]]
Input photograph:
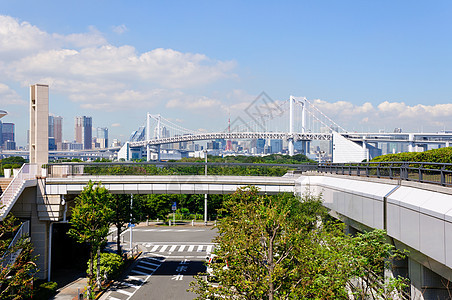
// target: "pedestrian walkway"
[[71, 290]]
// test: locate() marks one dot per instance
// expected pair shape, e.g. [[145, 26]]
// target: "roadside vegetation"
[[441, 155], [13, 162], [278, 247], [16, 278], [146, 169]]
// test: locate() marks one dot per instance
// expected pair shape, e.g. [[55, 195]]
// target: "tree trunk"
[[271, 288], [90, 275], [99, 284], [118, 240]]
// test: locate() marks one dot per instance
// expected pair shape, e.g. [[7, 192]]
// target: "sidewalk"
[[71, 290]]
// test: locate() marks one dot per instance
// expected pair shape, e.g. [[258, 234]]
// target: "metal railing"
[[62, 170], [26, 172], [11, 253], [426, 172]]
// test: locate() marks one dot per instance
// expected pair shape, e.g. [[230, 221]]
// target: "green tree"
[[120, 205], [16, 279], [284, 247], [90, 221]]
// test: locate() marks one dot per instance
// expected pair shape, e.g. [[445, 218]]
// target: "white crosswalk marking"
[[139, 272], [134, 278], [113, 298], [124, 292], [154, 249], [130, 285], [146, 268], [149, 263]]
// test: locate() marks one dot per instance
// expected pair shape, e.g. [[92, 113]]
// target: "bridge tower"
[[148, 136], [290, 140], [159, 130]]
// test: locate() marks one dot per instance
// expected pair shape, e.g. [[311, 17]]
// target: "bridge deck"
[[189, 184]]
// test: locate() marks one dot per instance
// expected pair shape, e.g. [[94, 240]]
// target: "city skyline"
[[368, 66]]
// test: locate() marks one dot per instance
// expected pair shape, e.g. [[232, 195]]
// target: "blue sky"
[[367, 64]]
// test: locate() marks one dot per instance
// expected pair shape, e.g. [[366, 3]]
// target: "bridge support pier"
[[411, 142], [426, 284]]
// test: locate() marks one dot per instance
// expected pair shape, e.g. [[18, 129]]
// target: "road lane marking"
[[163, 248], [209, 249], [155, 248], [173, 247], [200, 248], [190, 248], [181, 248]]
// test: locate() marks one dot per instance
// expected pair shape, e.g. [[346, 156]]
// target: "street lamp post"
[[205, 195], [131, 203]]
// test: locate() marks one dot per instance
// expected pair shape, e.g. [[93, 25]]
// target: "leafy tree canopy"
[[284, 247]]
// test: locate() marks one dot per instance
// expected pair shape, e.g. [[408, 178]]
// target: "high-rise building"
[[84, 131], [276, 146], [102, 137], [7, 132], [58, 130], [55, 132]]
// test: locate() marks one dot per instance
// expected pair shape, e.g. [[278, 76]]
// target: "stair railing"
[[26, 172]]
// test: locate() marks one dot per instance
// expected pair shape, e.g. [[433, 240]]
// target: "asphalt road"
[[171, 257]]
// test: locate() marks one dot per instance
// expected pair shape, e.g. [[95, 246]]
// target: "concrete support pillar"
[[411, 142], [39, 232], [366, 151]]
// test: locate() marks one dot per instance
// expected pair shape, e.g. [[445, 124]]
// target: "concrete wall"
[[26, 208]]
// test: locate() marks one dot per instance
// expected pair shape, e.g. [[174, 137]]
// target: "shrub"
[[46, 290], [110, 263]]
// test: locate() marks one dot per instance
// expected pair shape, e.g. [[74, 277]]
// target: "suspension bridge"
[[294, 120]]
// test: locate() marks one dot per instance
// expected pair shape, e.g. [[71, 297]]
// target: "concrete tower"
[[39, 124]]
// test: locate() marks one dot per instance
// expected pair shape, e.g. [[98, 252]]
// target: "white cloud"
[[388, 115], [198, 103], [86, 68], [9, 96], [120, 29]]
